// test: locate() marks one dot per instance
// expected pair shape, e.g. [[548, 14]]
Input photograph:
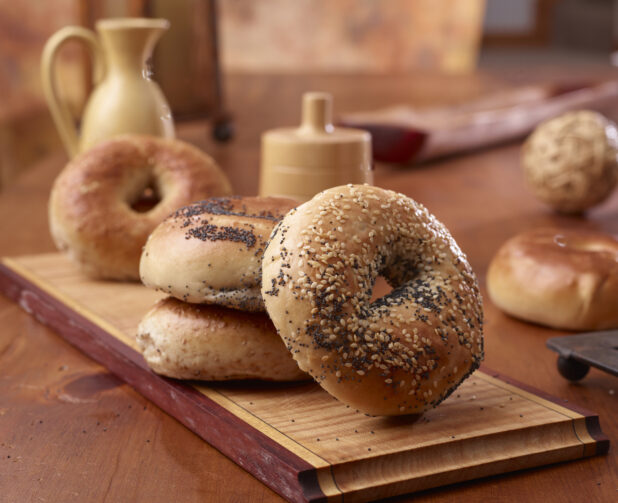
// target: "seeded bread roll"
[[570, 161], [191, 341], [400, 354], [211, 251], [562, 278]]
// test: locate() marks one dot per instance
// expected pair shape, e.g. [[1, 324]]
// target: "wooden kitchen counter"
[[71, 431]]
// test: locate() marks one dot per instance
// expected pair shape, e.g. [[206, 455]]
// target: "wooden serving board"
[[294, 437]]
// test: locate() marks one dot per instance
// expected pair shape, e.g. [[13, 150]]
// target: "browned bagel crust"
[[401, 354], [211, 251], [90, 212], [197, 341], [562, 278]]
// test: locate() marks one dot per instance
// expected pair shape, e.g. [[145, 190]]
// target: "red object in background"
[[394, 144], [405, 135]]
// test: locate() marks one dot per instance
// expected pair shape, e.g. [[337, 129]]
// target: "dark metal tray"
[[577, 353]]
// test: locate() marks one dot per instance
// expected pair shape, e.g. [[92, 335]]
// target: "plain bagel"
[[90, 207], [196, 341], [211, 251], [561, 278], [400, 354]]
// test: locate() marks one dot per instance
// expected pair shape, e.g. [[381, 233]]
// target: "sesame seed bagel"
[[562, 278], [91, 207], [211, 251], [192, 341], [400, 354]]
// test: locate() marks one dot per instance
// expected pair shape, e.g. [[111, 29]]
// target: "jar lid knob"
[[317, 113]]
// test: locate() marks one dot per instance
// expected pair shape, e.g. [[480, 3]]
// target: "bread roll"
[[211, 251], [562, 278], [192, 341]]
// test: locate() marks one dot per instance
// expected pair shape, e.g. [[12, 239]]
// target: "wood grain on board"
[[294, 437]]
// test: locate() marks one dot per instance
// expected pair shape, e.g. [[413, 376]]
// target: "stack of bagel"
[[207, 257], [223, 261], [108, 210], [261, 289]]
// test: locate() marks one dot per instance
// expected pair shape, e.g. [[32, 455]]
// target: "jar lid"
[[316, 143]]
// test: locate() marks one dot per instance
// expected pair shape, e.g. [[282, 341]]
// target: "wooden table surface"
[[70, 431]]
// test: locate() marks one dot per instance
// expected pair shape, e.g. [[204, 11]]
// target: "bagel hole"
[[147, 199], [380, 289]]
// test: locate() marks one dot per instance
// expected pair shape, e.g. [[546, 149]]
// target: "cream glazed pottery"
[[125, 98], [300, 162]]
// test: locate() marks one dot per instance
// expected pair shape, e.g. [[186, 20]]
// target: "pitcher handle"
[[59, 110]]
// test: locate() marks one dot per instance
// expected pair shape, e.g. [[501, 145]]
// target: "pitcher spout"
[[129, 42]]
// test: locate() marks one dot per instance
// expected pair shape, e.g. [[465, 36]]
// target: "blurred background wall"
[[351, 35], [549, 31], [26, 130]]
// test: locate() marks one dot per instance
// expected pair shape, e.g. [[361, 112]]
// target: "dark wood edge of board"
[[296, 479], [593, 425], [287, 474]]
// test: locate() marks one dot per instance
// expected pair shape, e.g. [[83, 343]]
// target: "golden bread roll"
[[562, 278], [194, 341], [211, 250]]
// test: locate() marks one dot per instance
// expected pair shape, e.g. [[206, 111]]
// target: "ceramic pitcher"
[[125, 99]]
